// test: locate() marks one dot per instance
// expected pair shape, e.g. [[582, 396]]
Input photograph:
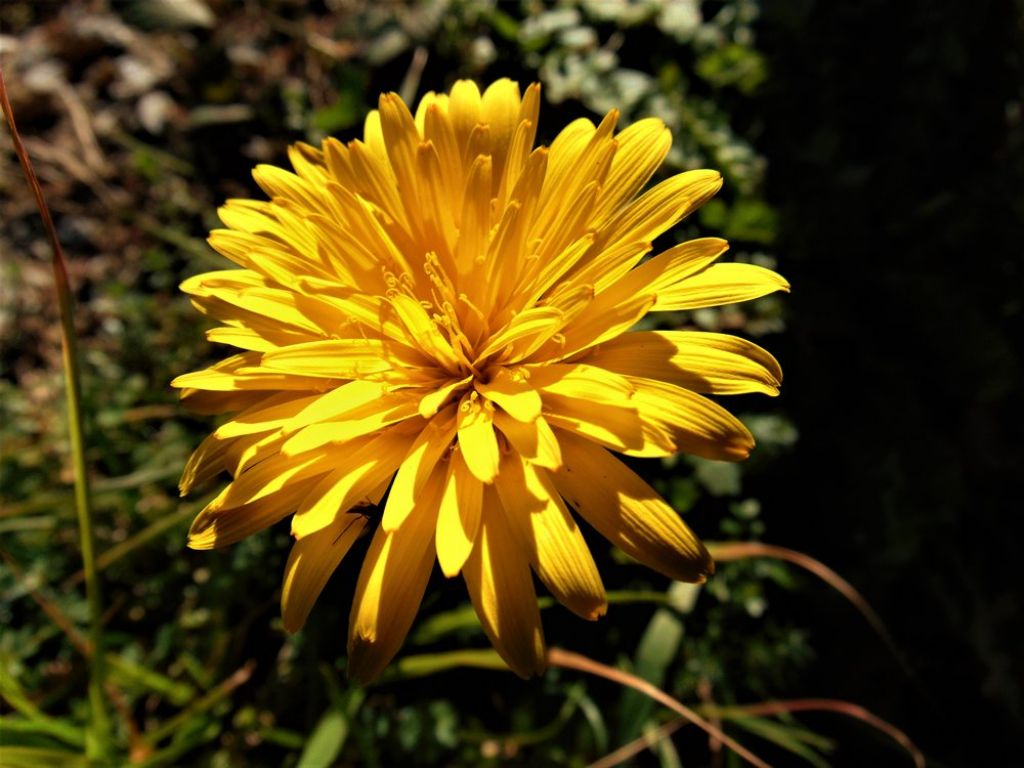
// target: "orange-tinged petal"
[[716, 363], [628, 512], [391, 584], [312, 561], [221, 528], [497, 575], [550, 536]]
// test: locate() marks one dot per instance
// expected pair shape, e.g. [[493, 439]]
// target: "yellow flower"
[[440, 314]]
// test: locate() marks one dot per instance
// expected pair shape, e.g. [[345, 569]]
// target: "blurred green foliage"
[[204, 674]]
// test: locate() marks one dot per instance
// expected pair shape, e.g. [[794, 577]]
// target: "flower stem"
[[98, 737]]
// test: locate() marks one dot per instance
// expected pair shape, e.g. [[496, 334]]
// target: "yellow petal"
[[339, 402], [660, 273], [716, 363], [432, 402], [418, 466], [525, 332], [475, 225], [458, 521], [658, 209], [720, 284], [248, 450], [613, 426], [477, 440], [391, 584], [535, 441], [392, 408], [312, 561], [676, 419], [500, 108], [336, 358], [208, 402], [599, 321], [278, 183], [577, 380], [243, 338], [269, 477], [270, 413], [464, 104], [356, 475], [221, 528], [580, 159], [205, 463], [627, 512], [498, 578], [437, 129], [228, 375], [425, 331], [556, 548], [513, 391], [641, 148]]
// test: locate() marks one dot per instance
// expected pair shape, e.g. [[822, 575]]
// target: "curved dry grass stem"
[[100, 725], [559, 657], [739, 550], [855, 711], [842, 707], [639, 744]]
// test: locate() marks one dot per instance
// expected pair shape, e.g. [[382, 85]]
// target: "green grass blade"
[[98, 737]]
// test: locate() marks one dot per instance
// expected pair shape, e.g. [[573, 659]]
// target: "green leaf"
[[35, 757], [668, 757], [53, 727], [432, 663], [326, 741], [799, 741], [128, 674], [658, 648]]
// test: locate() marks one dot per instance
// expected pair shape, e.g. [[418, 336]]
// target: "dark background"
[[894, 136]]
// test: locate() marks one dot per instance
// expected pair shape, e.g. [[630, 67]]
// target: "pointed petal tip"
[[364, 660], [528, 670], [291, 627], [450, 572]]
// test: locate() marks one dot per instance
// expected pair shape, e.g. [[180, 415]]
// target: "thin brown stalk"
[[559, 657], [740, 550], [762, 709], [639, 744], [833, 705]]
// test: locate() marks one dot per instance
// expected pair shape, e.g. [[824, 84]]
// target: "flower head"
[[436, 320]]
